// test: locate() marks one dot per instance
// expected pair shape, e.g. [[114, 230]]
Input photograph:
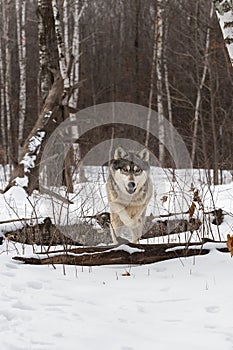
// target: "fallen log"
[[169, 227], [138, 254], [45, 233], [85, 233], [155, 228], [48, 234]]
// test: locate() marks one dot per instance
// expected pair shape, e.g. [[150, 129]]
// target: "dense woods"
[[169, 55]]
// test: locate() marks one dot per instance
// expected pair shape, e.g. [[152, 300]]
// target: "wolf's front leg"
[[121, 235], [137, 232], [120, 211]]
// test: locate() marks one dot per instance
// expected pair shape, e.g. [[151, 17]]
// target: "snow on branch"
[[34, 146]]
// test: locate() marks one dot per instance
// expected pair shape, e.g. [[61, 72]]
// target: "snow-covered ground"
[[179, 304], [176, 304]]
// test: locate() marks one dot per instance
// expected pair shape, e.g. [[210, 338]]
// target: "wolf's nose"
[[131, 185]]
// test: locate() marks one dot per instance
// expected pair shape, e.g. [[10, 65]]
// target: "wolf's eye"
[[137, 170], [125, 169]]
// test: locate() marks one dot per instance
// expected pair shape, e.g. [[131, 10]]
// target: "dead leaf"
[[196, 197], [230, 244], [164, 199], [192, 209], [126, 274]]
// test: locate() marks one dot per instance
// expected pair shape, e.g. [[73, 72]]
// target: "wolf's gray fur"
[[129, 189]]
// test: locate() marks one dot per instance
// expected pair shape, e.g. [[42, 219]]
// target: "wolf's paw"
[[121, 240]]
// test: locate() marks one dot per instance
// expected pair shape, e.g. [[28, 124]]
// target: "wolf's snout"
[[131, 187]]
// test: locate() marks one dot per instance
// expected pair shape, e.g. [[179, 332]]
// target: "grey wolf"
[[129, 189]]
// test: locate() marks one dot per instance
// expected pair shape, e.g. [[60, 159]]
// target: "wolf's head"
[[130, 169]]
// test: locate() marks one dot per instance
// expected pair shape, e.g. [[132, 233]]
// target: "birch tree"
[[60, 44], [55, 85], [75, 71], [152, 77], [2, 88], [7, 78], [166, 76], [156, 67], [159, 65], [21, 42], [66, 30], [224, 10], [117, 53], [44, 78], [26, 173]]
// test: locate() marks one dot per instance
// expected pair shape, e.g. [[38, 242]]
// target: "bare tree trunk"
[[199, 90], [136, 47], [53, 76], [8, 81], [21, 38], [44, 78], [93, 49], [52, 90], [66, 30], [74, 78], [213, 123], [60, 45], [70, 82], [2, 90], [224, 10], [152, 76], [159, 81], [169, 104], [75, 71], [166, 81], [28, 167]]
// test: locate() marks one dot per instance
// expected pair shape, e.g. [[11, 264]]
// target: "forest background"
[[168, 55]]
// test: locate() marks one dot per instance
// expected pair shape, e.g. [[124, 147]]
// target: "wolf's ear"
[[119, 153], [144, 154]]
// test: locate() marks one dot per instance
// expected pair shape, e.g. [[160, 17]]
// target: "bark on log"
[[84, 233], [168, 227], [45, 233], [127, 254], [155, 228]]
